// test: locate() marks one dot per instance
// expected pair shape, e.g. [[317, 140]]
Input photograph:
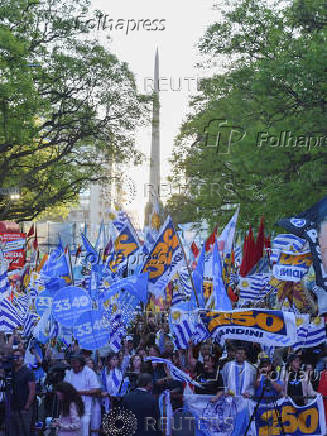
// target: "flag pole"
[[71, 265], [190, 273]]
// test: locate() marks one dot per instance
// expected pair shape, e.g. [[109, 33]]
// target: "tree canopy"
[[67, 106], [267, 114]]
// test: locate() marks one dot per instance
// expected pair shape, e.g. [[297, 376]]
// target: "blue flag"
[[91, 253], [165, 259], [125, 246], [311, 225], [198, 278], [229, 416], [219, 291]]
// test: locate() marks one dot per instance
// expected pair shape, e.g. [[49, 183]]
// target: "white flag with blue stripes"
[[200, 333], [254, 288], [4, 280], [29, 323], [311, 335], [181, 326], [176, 373], [9, 316], [290, 244], [117, 331]]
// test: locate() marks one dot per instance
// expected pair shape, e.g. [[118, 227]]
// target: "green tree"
[[276, 83], [67, 105]]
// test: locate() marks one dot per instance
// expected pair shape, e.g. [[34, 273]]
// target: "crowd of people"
[[76, 387]]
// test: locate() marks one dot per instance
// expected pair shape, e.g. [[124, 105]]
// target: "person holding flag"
[[239, 375]]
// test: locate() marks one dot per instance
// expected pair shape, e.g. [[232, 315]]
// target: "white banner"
[[269, 327]]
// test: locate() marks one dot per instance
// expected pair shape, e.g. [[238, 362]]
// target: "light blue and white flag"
[[120, 220], [181, 323], [9, 316], [4, 280], [176, 373], [290, 244], [229, 416], [117, 331], [222, 301], [21, 305], [311, 335], [201, 333], [226, 239], [197, 275], [238, 255], [29, 321], [185, 281], [101, 241], [254, 288]]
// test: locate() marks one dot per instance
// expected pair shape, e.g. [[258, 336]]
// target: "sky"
[[183, 23]]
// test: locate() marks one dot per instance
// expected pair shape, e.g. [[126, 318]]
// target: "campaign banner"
[[14, 251], [292, 268], [286, 418], [91, 330], [289, 273], [125, 246], [229, 416], [311, 226], [270, 327], [165, 258], [43, 302], [69, 304]]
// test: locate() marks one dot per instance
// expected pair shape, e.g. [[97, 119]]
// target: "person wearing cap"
[[86, 383], [296, 385], [267, 387]]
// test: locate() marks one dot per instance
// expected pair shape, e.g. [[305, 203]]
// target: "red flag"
[[195, 250], [232, 256], [260, 242], [243, 266], [31, 231], [78, 252], [249, 254], [212, 239], [252, 251], [35, 242], [232, 296], [267, 242]]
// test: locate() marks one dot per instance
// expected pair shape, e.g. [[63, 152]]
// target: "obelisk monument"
[[154, 179]]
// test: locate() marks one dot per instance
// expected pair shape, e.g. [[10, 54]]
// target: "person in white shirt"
[[86, 383], [96, 404], [239, 375]]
